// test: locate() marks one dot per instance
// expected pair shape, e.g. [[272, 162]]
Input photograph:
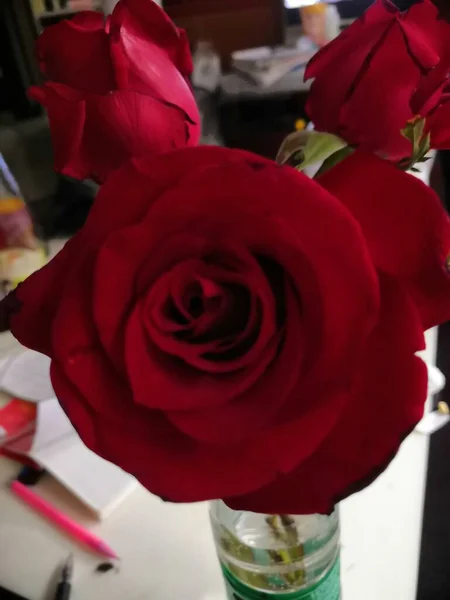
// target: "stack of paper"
[[27, 376], [265, 66], [49, 439]]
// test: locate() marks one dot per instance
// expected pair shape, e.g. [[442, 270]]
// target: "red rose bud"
[[385, 69], [237, 330], [116, 89]]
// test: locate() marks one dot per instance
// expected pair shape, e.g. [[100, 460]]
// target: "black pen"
[[65, 586]]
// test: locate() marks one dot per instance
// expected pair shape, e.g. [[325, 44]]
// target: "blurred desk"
[[258, 121], [234, 86], [167, 550], [258, 118]]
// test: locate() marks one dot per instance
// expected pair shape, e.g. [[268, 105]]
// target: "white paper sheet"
[[52, 424], [57, 447], [27, 376]]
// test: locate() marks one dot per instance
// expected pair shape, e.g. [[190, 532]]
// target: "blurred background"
[[249, 56]]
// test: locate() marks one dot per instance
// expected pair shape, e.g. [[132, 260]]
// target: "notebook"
[[56, 447]]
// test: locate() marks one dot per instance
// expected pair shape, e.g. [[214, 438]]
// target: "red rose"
[[385, 69], [117, 89], [236, 330]]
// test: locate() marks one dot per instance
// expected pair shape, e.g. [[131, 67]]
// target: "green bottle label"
[[328, 588]]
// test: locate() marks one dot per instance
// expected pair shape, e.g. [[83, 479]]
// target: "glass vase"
[[274, 557]]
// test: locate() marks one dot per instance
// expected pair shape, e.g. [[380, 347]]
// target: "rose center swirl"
[[217, 312]]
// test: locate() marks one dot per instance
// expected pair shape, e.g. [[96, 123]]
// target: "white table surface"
[[167, 550]]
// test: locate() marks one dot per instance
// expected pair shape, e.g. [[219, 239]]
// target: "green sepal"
[[302, 149]]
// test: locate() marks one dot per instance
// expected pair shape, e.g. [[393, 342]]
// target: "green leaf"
[[413, 131], [298, 156], [319, 147], [421, 143], [291, 145], [414, 128], [334, 159], [418, 128], [423, 147], [308, 148], [407, 132]]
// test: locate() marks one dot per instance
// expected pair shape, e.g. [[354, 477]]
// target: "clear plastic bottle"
[[332, 23], [273, 557], [206, 81]]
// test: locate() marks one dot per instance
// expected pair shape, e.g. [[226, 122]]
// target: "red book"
[[17, 418], [17, 426]]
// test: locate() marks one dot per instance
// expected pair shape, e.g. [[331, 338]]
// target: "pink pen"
[[54, 515]]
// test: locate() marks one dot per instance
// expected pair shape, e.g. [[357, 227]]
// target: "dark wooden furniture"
[[260, 125], [230, 24], [18, 67]]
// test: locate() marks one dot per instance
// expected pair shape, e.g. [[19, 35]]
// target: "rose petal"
[[375, 19], [132, 248], [79, 412], [263, 327], [367, 119], [142, 181], [72, 329], [39, 297], [366, 30], [113, 293], [67, 117], [429, 95], [160, 381], [405, 225], [338, 64], [135, 16], [434, 32], [439, 124], [385, 405], [423, 32], [126, 124], [246, 413], [146, 48], [176, 468], [76, 52], [81, 359], [128, 249], [93, 135]]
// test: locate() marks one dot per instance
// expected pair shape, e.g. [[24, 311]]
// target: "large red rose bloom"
[[236, 330]]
